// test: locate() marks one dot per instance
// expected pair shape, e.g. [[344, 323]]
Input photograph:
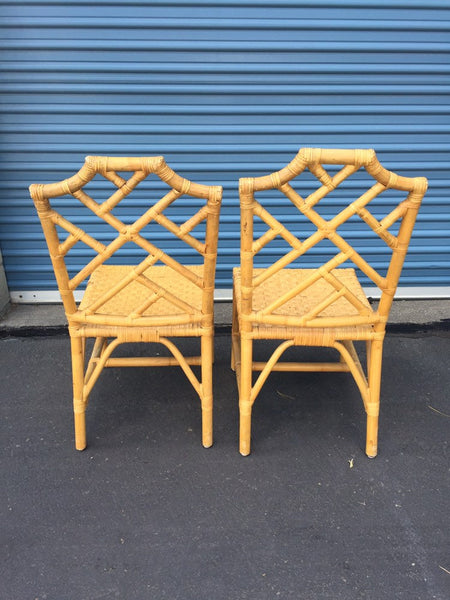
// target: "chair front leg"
[[234, 332], [79, 402], [373, 406], [245, 404], [207, 350]]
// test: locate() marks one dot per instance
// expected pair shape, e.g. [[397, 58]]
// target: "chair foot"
[[371, 450], [80, 431], [207, 428], [372, 436], [245, 431]]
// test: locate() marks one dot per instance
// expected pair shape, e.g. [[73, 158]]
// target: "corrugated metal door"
[[222, 89]]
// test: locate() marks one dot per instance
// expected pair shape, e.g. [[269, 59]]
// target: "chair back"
[[112, 170], [314, 160]]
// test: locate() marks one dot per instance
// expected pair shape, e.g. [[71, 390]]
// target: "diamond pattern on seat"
[[134, 294], [283, 281]]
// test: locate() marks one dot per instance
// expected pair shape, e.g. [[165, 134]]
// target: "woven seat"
[[283, 281], [151, 301], [325, 305], [123, 303]]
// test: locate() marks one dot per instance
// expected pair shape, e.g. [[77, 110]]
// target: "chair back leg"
[[207, 349], [373, 406], [245, 390], [79, 402]]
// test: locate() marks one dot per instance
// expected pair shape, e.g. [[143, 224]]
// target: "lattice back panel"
[[329, 231], [134, 224]]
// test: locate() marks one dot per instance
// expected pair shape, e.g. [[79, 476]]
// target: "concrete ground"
[[146, 512]]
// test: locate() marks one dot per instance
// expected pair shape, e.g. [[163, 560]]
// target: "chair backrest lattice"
[[110, 168], [313, 159]]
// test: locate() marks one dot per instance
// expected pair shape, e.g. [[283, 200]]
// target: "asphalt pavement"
[[147, 512]]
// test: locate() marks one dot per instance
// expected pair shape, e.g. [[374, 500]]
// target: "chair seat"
[[281, 282], [114, 314], [135, 294]]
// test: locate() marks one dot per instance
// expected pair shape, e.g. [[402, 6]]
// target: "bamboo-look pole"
[[265, 372], [138, 334], [212, 211], [377, 227], [246, 343], [373, 403], [235, 352], [245, 390], [350, 347], [79, 399], [375, 353], [105, 164], [183, 364], [319, 323], [147, 321], [180, 232], [355, 369], [206, 388], [210, 254], [399, 252], [152, 361], [99, 346], [135, 324], [311, 336], [397, 213], [338, 330], [45, 215], [99, 365], [329, 156], [297, 367], [76, 235]]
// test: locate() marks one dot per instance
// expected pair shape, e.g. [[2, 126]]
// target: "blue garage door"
[[222, 89]]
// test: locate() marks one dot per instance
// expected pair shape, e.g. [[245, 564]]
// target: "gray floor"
[[146, 512]]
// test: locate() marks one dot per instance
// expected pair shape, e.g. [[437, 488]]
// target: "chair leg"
[[234, 334], [207, 350], [245, 404], [79, 403], [373, 407], [368, 350]]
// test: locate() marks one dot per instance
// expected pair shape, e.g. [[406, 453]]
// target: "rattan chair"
[[144, 302], [326, 305]]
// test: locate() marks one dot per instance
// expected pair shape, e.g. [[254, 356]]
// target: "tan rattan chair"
[[145, 302], [323, 306]]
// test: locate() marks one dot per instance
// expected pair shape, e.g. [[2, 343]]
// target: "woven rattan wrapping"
[[325, 306]]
